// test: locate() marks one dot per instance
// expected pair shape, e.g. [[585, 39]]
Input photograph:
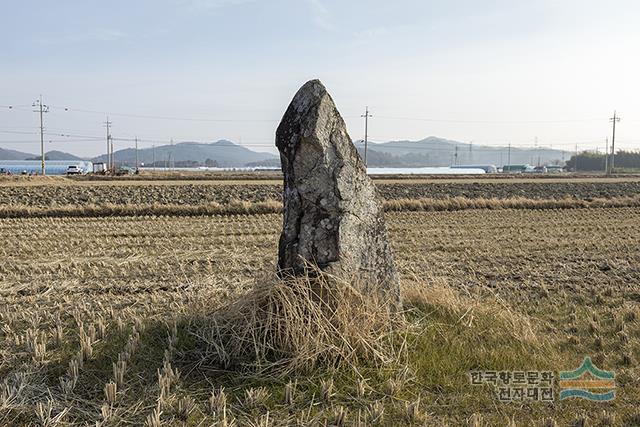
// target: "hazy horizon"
[[202, 70]]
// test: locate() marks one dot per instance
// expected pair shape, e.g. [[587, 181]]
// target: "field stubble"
[[95, 318], [55, 194]]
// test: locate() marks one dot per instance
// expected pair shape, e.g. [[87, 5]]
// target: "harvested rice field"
[[102, 320], [61, 192]]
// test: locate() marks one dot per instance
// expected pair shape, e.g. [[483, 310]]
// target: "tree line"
[[596, 162]]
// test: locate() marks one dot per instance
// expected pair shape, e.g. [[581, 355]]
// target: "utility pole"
[[537, 151], [366, 116], [606, 156], [108, 124], [614, 120], [455, 156], [41, 108], [171, 157], [137, 154], [509, 155], [113, 158], [576, 158], [153, 149], [470, 151]]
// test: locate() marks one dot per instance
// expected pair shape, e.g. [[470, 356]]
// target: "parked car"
[[540, 169], [555, 169], [73, 170]]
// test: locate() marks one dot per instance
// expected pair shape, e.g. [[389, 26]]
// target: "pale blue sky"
[[489, 71]]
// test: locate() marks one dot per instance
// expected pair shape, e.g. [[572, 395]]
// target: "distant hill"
[[55, 155], [49, 155], [221, 153], [270, 163], [6, 154], [433, 151]]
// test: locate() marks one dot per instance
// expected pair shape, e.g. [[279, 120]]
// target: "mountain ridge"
[[7, 154], [434, 151], [430, 151], [223, 153]]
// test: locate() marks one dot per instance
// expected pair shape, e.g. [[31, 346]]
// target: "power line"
[[410, 147], [11, 107], [196, 119], [49, 141], [393, 144], [429, 119], [269, 144], [19, 132], [153, 117], [423, 119]]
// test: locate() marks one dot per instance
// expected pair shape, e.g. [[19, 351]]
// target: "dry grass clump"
[[236, 207], [242, 207], [292, 324], [469, 312], [464, 203]]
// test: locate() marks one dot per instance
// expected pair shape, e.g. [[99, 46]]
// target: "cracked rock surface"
[[332, 215]]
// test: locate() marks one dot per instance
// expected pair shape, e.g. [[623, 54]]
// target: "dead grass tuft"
[[240, 207], [292, 324], [448, 302], [464, 203]]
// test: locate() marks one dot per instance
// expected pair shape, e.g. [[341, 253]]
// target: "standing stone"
[[332, 215]]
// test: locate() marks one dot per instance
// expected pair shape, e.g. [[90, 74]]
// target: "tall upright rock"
[[332, 215]]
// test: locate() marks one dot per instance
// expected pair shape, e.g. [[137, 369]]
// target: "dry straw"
[[291, 324], [238, 207]]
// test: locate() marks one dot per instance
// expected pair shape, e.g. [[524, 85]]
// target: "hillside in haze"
[[430, 151], [49, 155], [55, 155], [221, 153], [434, 151], [6, 154]]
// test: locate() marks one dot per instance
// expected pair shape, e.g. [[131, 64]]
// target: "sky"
[[493, 72]]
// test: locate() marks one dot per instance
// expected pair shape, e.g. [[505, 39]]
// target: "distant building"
[[516, 168], [485, 168], [34, 167]]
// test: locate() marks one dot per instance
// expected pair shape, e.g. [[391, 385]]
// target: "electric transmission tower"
[[41, 108]]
